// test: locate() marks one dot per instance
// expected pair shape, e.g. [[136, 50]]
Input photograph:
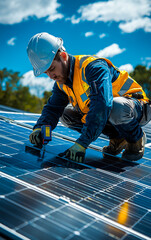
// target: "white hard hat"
[[41, 50]]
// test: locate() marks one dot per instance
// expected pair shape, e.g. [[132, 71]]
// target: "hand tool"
[[40, 150]]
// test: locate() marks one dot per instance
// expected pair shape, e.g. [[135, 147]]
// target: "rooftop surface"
[[45, 197]]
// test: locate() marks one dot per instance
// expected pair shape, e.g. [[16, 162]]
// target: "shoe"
[[115, 146], [135, 151]]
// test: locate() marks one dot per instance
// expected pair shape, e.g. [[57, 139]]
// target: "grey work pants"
[[123, 122]]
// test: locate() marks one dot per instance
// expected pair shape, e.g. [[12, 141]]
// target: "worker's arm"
[[99, 77], [51, 113], [54, 108]]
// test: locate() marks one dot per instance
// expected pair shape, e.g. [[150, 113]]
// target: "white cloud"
[[102, 35], [16, 11], [88, 34], [11, 41], [54, 17], [110, 51], [133, 25], [73, 19], [37, 86], [124, 11], [127, 67]]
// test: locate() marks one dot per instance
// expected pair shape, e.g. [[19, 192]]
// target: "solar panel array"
[[45, 197]]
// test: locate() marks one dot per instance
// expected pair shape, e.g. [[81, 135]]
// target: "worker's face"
[[58, 70]]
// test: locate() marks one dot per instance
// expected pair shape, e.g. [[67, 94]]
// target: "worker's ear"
[[64, 56]]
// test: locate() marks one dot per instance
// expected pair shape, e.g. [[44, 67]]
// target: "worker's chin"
[[61, 81]]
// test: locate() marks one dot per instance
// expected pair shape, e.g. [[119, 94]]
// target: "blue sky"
[[116, 29]]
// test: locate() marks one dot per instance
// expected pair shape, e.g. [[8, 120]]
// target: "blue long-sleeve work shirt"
[[99, 76]]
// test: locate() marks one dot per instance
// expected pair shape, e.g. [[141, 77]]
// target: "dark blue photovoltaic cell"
[[30, 178], [131, 237], [144, 225], [34, 201], [43, 196], [7, 186], [103, 176], [100, 203], [13, 171], [63, 171], [146, 180], [131, 186], [13, 215], [43, 229], [99, 230], [61, 190], [96, 183], [146, 193], [121, 193], [139, 173], [71, 218], [127, 214], [142, 201]]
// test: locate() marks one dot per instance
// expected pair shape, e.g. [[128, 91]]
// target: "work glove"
[[75, 153], [35, 137]]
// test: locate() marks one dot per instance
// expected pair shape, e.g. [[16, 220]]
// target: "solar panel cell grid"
[[143, 226], [45, 197], [127, 214]]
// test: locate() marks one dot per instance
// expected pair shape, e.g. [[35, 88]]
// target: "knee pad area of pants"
[[122, 112]]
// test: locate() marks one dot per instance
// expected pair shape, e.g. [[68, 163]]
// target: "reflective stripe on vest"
[[83, 77], [84, 97], [126, 86], [61, 86], [83, 59]]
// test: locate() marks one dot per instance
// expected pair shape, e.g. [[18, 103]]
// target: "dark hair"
[[57, 57]]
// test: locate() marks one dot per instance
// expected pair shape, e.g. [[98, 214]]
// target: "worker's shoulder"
[[83, 60], [92, 61], [98, 64]]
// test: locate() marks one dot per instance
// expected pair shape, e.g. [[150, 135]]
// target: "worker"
[[102, 99]]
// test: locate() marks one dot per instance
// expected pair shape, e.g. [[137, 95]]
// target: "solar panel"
[[43, 196]]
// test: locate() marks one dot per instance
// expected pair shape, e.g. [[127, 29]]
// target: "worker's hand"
[[75, 153], [35, 137]]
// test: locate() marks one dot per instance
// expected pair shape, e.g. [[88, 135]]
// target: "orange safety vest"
[[124, 85]]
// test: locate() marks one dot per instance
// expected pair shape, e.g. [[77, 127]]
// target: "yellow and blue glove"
[[75, 153], [35, 137]]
